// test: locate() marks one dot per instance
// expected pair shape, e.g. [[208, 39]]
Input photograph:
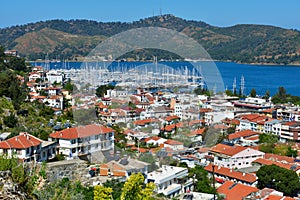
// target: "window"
[[73, 150], [27, 151], [96, 137], [73, 141]]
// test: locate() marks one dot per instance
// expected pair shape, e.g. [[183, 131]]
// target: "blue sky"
[[215, 12]]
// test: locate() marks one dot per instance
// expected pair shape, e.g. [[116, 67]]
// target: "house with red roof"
[[290, 131], [234, 156], [223, 173], [290, 166], [155, 140], [28, 148], [123, 168], [196, 135], [254, 122], [235, 191], [54, 101], [244, 137], [173, 144], [84, 140]]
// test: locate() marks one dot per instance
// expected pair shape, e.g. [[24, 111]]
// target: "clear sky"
[[283, 13]]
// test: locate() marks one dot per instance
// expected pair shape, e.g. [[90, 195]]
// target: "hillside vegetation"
[[72, 38]]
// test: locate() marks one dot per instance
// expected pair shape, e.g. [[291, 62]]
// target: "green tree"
[[267, 138], [291, 152], [102, 193], [134, 188], [253, 93], [282, 93], [202, 184], [10, 121], [267, 95], [102, 89], [117, 188], [281, 179]]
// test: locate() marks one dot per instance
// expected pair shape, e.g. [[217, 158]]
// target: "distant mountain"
[[73, 38]]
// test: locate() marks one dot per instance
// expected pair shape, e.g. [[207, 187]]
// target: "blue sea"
[[260, 77]]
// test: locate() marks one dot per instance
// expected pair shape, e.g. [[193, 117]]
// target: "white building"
[[273, 127], [84, 140], [234, 156], [28, 148], [171, 181], [54, 101], [54, 76]]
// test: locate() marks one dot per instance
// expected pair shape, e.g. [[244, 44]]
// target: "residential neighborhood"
[[164, 135]]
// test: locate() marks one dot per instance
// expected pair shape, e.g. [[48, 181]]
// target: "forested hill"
[[72, 38]]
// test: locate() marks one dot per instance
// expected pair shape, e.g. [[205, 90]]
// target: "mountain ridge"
[[248, 43]]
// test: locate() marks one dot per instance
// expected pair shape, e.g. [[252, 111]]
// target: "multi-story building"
[[234, 156], [273, 127], [84, 140], [290, 131], [170, 180], [28, 148]]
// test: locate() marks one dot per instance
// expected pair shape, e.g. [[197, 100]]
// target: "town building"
[[236, 191], [83, 140], [123, 168], [223, 174], [290, 131], [171, 181], [234, 156], [28, 148]]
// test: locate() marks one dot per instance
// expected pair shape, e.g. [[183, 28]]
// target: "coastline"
[[225, 61]]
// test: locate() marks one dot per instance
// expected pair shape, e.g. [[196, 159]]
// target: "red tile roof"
[[197, 132], [235, 191], [171, 127], [196, 122], [155, 138], [22, 141], [143, 122], [81, 132], [170, 118], [263, 161], [275, 157], [140, 150], [268, 110], [205, 110], [220, 126], [273, 197], [113, 167], [227, 150], [244, 133], [130, 131], [173, 142], [223, 171]]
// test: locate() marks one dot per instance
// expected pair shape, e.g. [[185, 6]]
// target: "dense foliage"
[[202, 183], [282, 97], [281, 179], [65, 189], [240, 43], [26, 177], [134, 188]]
